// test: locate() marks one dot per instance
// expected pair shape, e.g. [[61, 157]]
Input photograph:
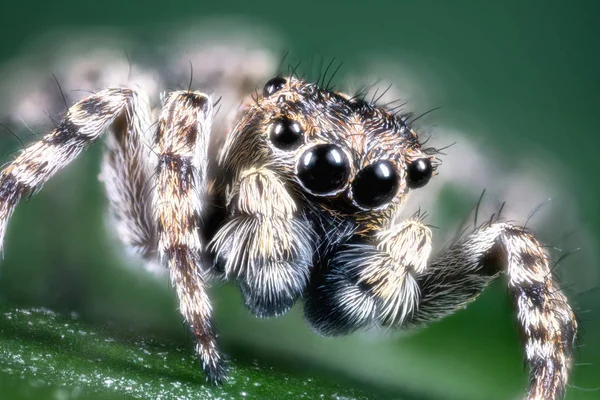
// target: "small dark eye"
[[323, 169], [418, 173], [375, 185], [273, 86], [286, 134]]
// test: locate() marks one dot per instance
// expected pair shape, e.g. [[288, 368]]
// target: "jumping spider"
[[296, 201]]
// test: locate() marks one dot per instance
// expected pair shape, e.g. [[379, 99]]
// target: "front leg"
[[265, 244], [180, 196], [458, 275], [371, 280], [385, 280]]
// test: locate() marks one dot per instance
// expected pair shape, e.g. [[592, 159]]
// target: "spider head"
[[343, 152]]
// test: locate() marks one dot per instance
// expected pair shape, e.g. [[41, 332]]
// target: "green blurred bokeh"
[[517, 75]]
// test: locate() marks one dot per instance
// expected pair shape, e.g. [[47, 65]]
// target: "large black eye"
[[323, 169], [418, 173], [286, 134], [375, 185], [274, 85]]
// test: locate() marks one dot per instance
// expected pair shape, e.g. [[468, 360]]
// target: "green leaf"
[[47, 355]]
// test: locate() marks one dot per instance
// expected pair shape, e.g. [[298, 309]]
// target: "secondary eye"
[[375, 185], [418, 173], [273, 86], [286, 134], [323, 169]]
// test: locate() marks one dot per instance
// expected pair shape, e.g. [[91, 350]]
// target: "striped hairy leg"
[[155, 201], [386, 280]]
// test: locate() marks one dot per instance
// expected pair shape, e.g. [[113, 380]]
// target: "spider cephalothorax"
[[323, 158], [301, 202]]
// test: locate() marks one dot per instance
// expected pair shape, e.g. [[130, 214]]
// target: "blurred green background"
[[521, 76]]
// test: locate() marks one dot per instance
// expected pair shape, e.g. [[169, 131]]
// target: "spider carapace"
[[298, 200]]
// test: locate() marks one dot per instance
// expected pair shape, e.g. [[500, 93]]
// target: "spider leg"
[[182, 140], [82, 125], [459, 274], [370, 281], [180, 195], [127, 172], [265, 244]]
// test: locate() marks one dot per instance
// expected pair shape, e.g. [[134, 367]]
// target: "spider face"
[[338, 151]]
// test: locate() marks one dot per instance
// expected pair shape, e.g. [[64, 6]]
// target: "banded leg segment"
[[83, 124], [548, 324], [182, 143]]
